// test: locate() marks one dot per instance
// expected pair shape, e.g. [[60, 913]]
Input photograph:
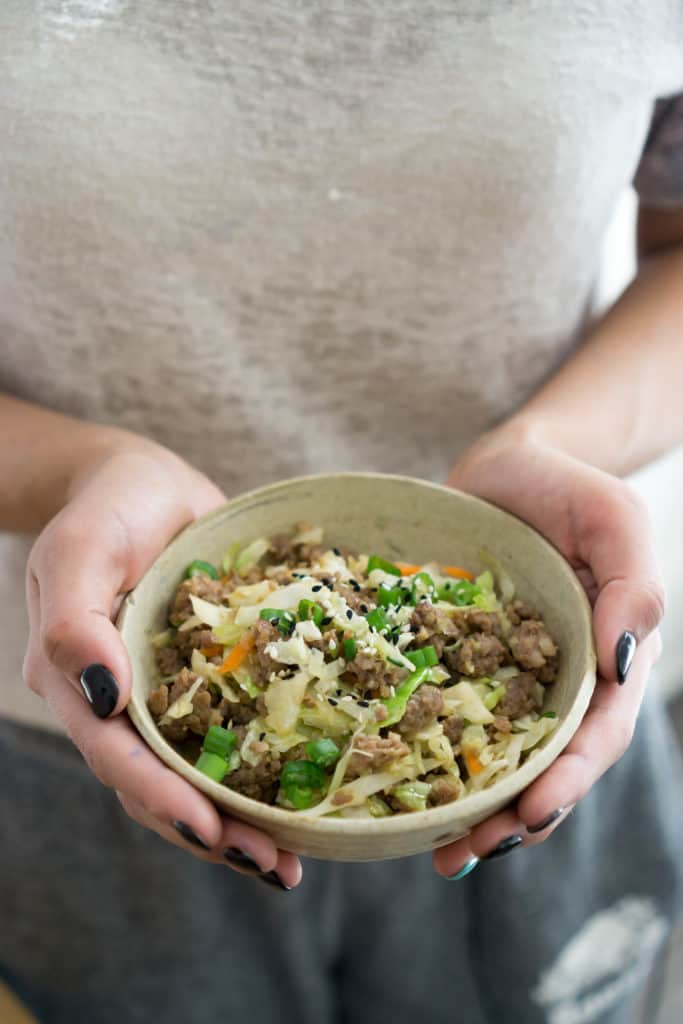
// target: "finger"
[[235, 838], [602, 738], [78, 574], [617, 544], [119, 758]]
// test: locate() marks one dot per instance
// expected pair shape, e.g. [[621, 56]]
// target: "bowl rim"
[[470, 805]]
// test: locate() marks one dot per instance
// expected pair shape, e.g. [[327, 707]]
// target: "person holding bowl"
[[250, 243]]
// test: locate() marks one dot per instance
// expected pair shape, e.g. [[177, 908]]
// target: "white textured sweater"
[[284, 236]]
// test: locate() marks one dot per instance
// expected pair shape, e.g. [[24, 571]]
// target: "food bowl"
[[398, 518]]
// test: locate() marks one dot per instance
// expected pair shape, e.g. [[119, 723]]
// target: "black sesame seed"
[[327, 581], [364, 703], [336, 551], [338, 692], [262, 736], [355, 584], [332, 701], [349, 613], [318, 587], [326, 621], [364, 608]]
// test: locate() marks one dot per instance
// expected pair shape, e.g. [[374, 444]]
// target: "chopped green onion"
[[282, 620], [375, 562], [323, 752], [350, 649], [220, 741], [377, 619], [422, 586], [212, 765], [424, 657], [391, 595], [492, 699], [310, 610], [199, 568], [549, 714], [458, 592], [301, 782]]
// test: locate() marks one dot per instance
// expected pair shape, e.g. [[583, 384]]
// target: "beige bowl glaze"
[[396, 517]]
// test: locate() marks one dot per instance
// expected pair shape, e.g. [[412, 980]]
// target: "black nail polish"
[[271, 878], [240, 859], [187, 833], [626, 648], [506, 846], [546, 823], [100, 688]]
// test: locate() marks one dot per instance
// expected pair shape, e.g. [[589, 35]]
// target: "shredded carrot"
[[225, 579], [238, 653], [407, 570], [212, 651], [474, 765], [457, 572]]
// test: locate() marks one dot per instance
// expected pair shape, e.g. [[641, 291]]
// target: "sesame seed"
[[336, 551], [338, 692], [355, 584], [332, 701], [349, 613], [364, 703], [363, 608], [317, 588], [262, 736], [326, 621]]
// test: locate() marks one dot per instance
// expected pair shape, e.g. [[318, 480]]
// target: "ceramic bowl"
[[398, 518]]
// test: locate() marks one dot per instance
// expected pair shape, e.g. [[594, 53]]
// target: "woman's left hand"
[[602, 528]]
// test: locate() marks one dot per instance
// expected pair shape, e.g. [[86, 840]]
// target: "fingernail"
[[626, 648], [464, 871], [507, 846], [271, 878], [546, 823], [100, 688], [240, 859], [187, 833]]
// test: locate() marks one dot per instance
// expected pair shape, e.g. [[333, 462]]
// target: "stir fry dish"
[[334, 683]]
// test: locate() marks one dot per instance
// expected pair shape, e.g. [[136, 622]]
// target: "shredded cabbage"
[[283, 700], [251, 554], [470, 704], [182, 706], [506, 587], [211, 614], [204, 668]]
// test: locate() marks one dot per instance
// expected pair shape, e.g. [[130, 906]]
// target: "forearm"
[[43, 454], [617, 403]]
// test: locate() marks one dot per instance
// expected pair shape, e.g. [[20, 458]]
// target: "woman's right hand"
[[123, 510]]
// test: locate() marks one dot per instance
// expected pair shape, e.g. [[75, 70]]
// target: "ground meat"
[[500, 724], [423, 707], [519, 610], [186, 640], [444, 790], [531, 644], [518, 699], [204, 713], [548, 672], [358, 600], [215, 591], [169, 660], [262, 665], [158, 701], [453, 727], [237, 712], [481, 654], [372, 753], [372, 675], [284, 550], [328, 643], [435, 626], [484, 622], [261, 781]]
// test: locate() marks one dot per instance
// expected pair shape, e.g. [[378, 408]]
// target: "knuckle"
[[56, 639], [652, 599], [32, 677]]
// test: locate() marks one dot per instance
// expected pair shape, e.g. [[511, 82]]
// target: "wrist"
[[103, 444]]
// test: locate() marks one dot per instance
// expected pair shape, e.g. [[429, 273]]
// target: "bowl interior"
[[398, 518]]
